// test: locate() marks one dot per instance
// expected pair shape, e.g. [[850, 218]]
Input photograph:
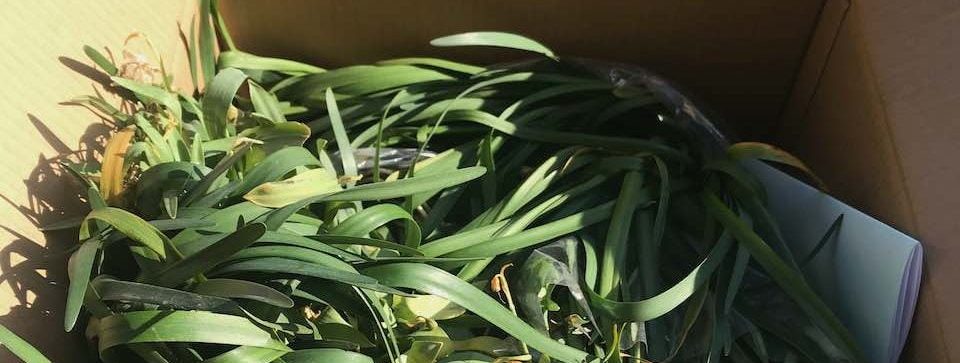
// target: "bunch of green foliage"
[[536, 212]]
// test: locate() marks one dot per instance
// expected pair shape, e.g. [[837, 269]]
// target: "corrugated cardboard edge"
[[839, 119], [43, 66]]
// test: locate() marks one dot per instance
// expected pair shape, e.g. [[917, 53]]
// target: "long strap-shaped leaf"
[[785, 276], [238, 59], [436, 63], [207, 258], [280, 265], [109, 289], [275, 166], [493, 39], [379, 191], [325, 355], [248, 354], [217, 100], [79, 267], [334, 239], [156, 326], [149, 93], [538, 234], [367, 220], [347, 162], [20, 347], [434, 281], [563, 137], [130, 225], [614, 258], [666, 301], [242, 289]]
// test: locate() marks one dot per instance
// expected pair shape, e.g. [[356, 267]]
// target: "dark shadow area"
[[93, 74], [36, 271]]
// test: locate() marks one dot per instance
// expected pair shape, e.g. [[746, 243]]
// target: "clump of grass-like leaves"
[[422, 210]]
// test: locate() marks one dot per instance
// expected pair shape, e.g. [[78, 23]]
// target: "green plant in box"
[[288, 213]]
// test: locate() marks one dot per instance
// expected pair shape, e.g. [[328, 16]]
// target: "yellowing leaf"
[[281, 193], [111, 177], [427, 306], [762, 151]]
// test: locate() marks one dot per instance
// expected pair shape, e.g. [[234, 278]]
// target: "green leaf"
[[278, 136], [225, 221], [265, 103], [68, 223], [690, 317], [275, 166], [101, 61], [218, 99], [248, 354], [434, 281], [614, 259], [493, 39], [435, 63], [21, 349], [148, 93], [193, 56], [347, 161], [567, 138], [334, 239], [221, 26], [325, 355], [536, 235], [303, 185], [369, 219], [310, 243], [418, 114], [656, 306], [338, 332], [157, 144], [295, 253], [378, 143], [487, 160], [242, 60], [130, 225], [288, 266], [359, 80], [159, 326], [380, 191], [459, 241], [109, 289], [79, 268], [207, 42], [179, 223], [207, 258], [241, 289], [208, 179], [427, 306], [788, 278], [160, 180]]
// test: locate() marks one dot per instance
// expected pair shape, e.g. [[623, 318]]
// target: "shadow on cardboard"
[[36, 272]]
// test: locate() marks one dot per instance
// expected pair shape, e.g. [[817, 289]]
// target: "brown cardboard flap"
[[740, 56], [43, 64], [881, 129]]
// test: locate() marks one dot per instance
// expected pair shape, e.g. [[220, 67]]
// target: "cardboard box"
[[861, 90]]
